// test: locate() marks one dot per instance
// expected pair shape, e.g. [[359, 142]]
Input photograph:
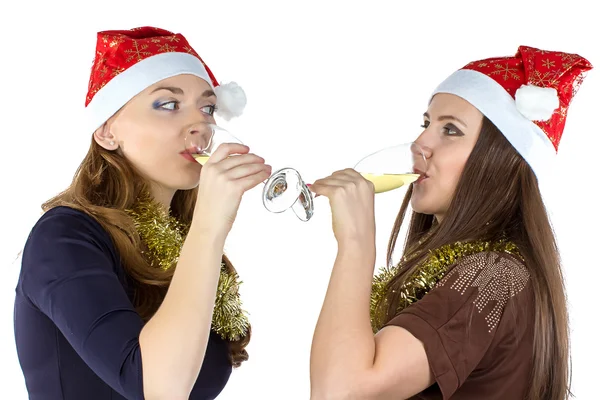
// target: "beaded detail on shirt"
[[496, 277]]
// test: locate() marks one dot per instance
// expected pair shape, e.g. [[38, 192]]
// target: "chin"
[[181, 184], [421, 207], [186, 185], [186, 180]]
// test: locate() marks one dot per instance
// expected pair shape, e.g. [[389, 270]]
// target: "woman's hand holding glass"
[[389, 168]]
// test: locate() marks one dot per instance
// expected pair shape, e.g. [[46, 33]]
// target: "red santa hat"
[[128, 61], [526, 96]]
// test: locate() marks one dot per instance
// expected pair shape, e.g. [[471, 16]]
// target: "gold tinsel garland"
[[163, 236], [429, 273]]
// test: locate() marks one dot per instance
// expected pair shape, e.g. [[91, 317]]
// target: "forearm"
[[174, 340], [343, 344]]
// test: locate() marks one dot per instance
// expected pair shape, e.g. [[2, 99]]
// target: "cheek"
[[454, 170], [451, 171], [150, 140], [435, 196], [154, 149]]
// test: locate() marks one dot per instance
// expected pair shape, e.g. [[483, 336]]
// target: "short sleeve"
[[457, 320], [69, 274]]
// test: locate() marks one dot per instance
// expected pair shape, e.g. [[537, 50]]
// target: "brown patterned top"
[[477, 329]]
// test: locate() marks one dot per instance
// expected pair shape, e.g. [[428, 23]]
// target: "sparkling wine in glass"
[[393, 167], [283, 190], [388, 169]]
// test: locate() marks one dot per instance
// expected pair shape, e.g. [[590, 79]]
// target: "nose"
[[422, 146], [421, 150], [421, 154], [199, 136], [427, 152]]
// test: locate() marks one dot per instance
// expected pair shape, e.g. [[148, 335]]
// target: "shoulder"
[[463, 319], [61, 231], [501, 270], [490, 279], [65, 245], [63, 216], [66, 221]]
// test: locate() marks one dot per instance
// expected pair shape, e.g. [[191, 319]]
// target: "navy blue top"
[[76, 329]]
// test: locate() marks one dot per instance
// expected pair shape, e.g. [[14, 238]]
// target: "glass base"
[[285, 189], [281, 190], [304, 207]]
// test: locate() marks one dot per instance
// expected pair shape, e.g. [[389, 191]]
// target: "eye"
[[168, 105], [209, 109], [452, 130], [425, 124]]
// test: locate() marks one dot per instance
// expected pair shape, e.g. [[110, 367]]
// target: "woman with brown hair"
[[476, 307], [124, 291]]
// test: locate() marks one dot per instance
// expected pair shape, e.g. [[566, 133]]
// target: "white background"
[[327, 83]]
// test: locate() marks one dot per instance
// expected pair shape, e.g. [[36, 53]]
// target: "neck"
[[162, 195]]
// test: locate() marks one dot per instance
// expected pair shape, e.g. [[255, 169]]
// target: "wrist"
[[362, 238], [213, 234], [360, 247]]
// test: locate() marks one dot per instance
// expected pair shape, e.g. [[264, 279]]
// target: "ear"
[[104, 137]]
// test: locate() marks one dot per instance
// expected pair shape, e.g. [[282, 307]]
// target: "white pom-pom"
[[231, 100], [536, 103]]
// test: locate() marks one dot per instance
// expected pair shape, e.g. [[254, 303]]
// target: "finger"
[[244, 170], [326, 187], [351, 176], [322, 190], [309, 185], [348, 175], [331, 181], [346, 172], [251, 181], [237, 160], [344, 175], [225, 150]]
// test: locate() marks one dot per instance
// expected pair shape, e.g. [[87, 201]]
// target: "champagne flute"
[[389, 168], [393, 167], [282, 190]]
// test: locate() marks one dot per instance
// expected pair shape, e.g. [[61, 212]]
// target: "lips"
[[188, 154], [190, 150], [422, 176]]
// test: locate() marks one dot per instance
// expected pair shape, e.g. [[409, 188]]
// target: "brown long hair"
[[104, 186], [511, 205]]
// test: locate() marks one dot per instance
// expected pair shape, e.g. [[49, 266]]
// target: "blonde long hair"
[[104, 186]]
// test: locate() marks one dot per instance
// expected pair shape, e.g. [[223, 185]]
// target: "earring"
[[112, 143]]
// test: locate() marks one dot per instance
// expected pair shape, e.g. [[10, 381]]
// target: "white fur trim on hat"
[[489, 97], [123, 87], [536, 103], [231, 100]]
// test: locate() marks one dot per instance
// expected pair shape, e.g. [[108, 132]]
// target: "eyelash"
[[161, 106], [447, 129]]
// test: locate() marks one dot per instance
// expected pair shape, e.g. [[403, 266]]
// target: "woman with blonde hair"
[[124, 291]]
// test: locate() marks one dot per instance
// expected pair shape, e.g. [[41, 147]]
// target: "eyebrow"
[[176, 90], [446, 118]]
